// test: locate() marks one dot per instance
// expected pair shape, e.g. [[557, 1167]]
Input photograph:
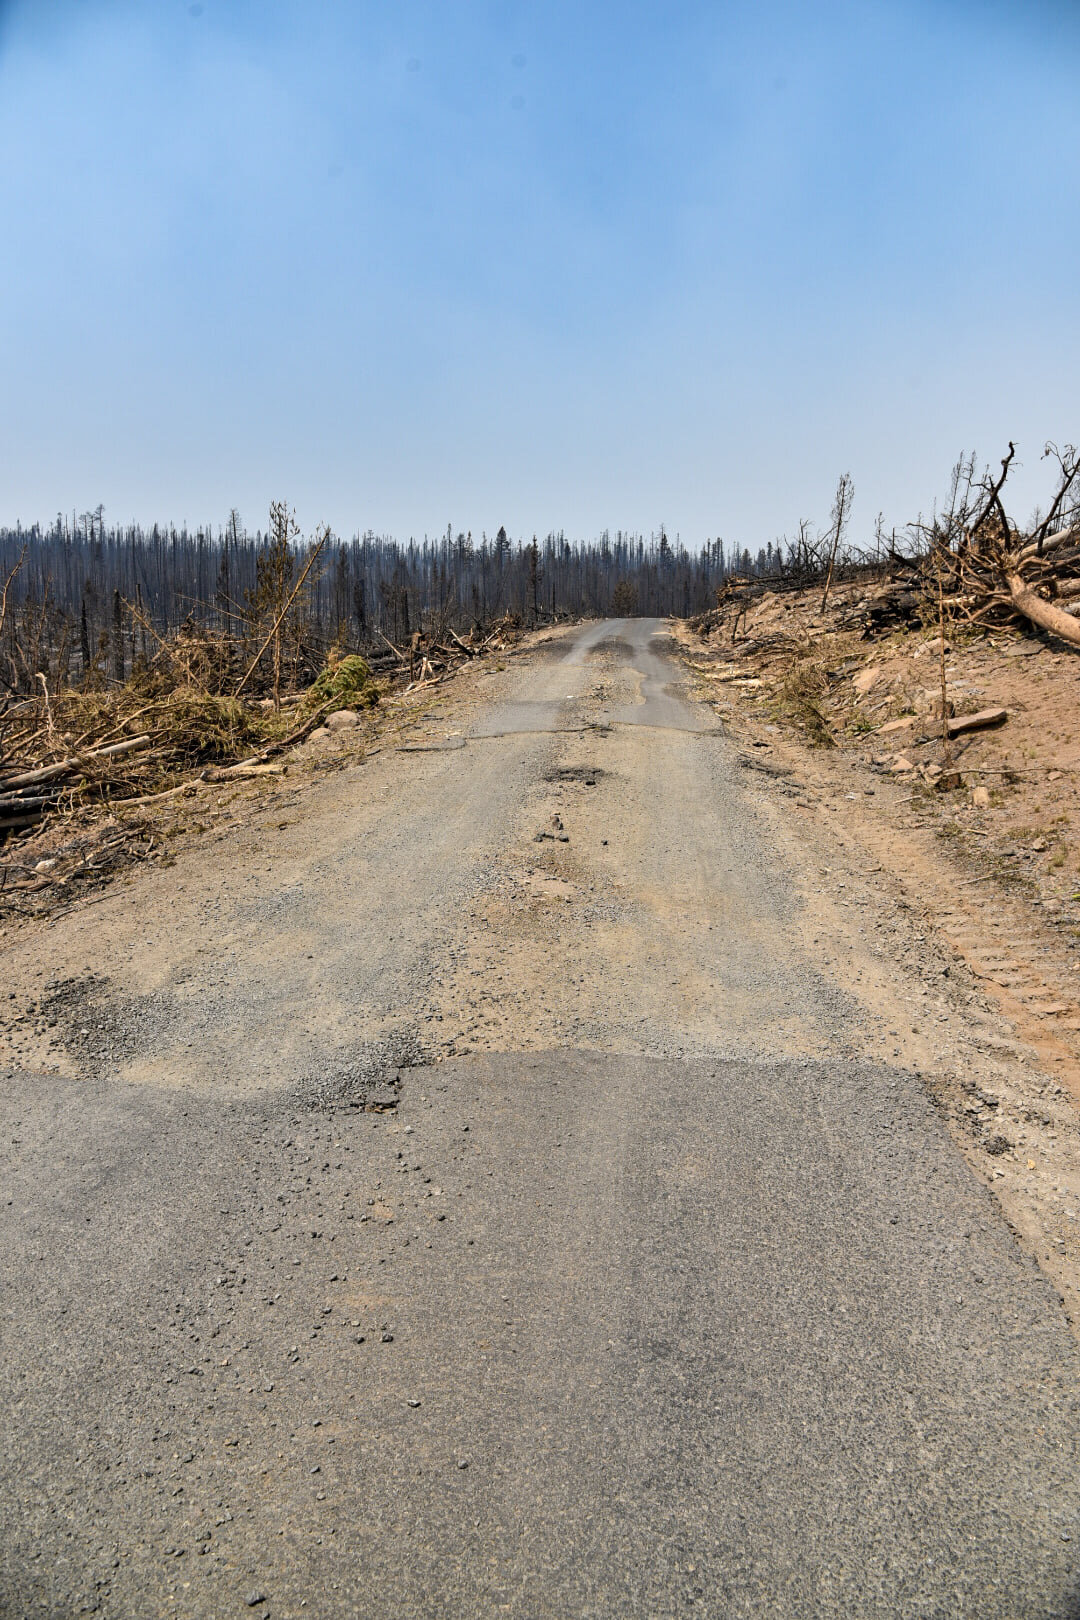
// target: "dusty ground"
[[685, 1279], [978, 901], [976, 889]]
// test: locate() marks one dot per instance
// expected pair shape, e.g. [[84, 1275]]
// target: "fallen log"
[[1045, 614], [243, 773], [977, 722], [30, 802], [1052, 542], [153, 798], [64, 767], [398, 654]]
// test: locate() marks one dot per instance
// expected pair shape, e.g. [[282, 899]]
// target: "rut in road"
[[657, 1291]]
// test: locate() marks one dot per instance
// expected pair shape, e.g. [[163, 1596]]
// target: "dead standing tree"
[[845, 494], [274, 581], [4, 595]]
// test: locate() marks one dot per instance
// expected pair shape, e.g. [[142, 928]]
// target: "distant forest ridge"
[[85, 569]]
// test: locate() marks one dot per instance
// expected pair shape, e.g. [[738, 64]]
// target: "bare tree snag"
[[845, 491], [941, 665], [7, 588]]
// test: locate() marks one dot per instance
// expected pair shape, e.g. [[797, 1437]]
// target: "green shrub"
[[345, 682]]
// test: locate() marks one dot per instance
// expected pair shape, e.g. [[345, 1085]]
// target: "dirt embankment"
[[968, 849]]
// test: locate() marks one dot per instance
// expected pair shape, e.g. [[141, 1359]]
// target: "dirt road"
[[502, 1179]]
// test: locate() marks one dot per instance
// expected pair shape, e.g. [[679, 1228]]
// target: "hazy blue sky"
[[553, 265]]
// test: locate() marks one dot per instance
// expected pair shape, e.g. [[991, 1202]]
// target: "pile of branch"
[[990, 571], [734, 599], [82, 859], [971, 564], [149, 740], [26, 795], [430, 658], [898, 601], [76, 749]]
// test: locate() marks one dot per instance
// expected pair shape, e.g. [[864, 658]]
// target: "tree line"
[[84, 593]]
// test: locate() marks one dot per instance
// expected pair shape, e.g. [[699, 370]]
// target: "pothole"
[[369, 1077], [100, 1029], [587, 774]]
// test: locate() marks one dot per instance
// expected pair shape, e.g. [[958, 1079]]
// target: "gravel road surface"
[[482, 1186]]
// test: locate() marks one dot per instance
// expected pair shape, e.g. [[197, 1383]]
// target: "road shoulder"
[[995, 971]]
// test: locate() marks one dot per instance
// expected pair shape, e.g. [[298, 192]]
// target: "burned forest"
[[132, 659], [89, 602]]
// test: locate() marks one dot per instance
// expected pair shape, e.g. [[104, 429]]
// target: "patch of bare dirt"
[[962, 859]]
